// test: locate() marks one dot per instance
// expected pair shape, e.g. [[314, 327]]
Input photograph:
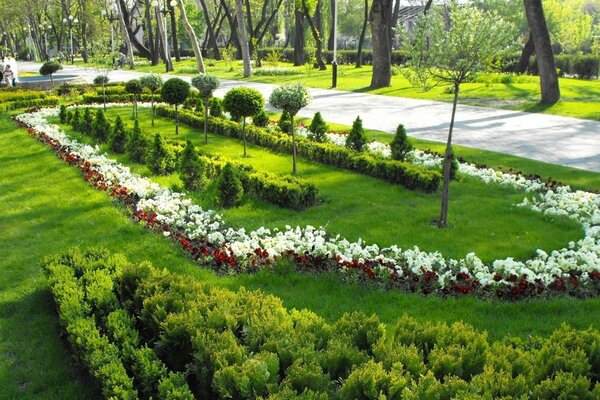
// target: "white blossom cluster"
[[180, 214]]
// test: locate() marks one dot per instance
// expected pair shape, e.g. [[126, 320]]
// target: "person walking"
[[15, 68], [8, 75]]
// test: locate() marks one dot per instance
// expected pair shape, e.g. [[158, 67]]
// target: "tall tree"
[[361, 39], [315, 32], [243, 38], [380, 18], [126, 37], [193, 39], [543, 50], [299, 40], [453, 51]]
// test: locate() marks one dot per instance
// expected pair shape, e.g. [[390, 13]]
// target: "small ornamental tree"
[[216, 107], [243, 102], [400, 145], [76, 119], [138, 144], [153, 83], [453, 48], [102, 80], [206, 85], [160, 159], [191, 168], [318, 128], [285, 122], [49, 68], [175, 91], [356, 140], [230, 187], [134, 87], [118, 136], [260, 119], [100, 126], [87, 121], [291, 98], [62, 114]]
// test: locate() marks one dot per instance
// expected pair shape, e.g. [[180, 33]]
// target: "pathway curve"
[[559, 140]]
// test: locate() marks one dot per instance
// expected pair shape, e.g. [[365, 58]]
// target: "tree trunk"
[[443, 221], [142, 50], [381, 12], [243, 39], [232, 25], [293, 146], [165, 43], [543, 50], [84, 52], [316, 36], [125, 35], [212, 40], [361, 40], [176, 120], [193, 38], [331, 26], [299, 39], [206, 120], [174, 31], [154, 53], [427, 6], [526, 54]]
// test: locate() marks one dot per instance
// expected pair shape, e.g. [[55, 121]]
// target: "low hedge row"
[[403, 173], [101, 333], [29, 103], [246, 345], [285, 191], [17, 94], [90, 98]]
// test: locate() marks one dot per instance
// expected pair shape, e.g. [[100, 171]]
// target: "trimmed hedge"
[[15, 104], [403, 173], [114, 98], [247, 345]]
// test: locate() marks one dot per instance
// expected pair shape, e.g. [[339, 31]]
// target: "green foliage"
[[101, 127], [356, 140], [175, 91], [191, 168], [216, 107], [174, 387], [318, 127], [86, 121], [454, 167], [152, 82], [369, 381], [285, 122], [134, 87], [242, 102], [248, 379], [62, 114], [291, 98], [362, 331], [230, 187], [160, 159], [206, 84], [260, 119], [138, 144], [50, 67], [76, 119], [400, 146], [101, 80], [118, 137]]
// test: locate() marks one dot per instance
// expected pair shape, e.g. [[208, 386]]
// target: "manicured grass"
[[46, 208], [579, 97], [360, 207]]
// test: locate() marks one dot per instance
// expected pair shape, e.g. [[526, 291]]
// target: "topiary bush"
[[356, 140], [260, 119], [49, 68], [135, 89], [191, 168], [285, 122], [243, 102], [153, 83], [118, 137], [87, 121], [160, 159], [175, 91], [62, 114], [76, 119], [400, 145], [230, 187], [216, 107], [206, 85], [100, 127], [138, 144], [318, 128]]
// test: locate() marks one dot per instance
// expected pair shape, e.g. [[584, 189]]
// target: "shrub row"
[[246, 345], [342, 56], [13, 105], [20, 95], [406, 174], [102, 334], [90, 98]]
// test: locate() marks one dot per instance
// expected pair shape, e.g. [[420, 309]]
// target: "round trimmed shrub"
[[206, 84], [242, 102], [260, 119], [49, 68], [175, 91], [101, 80]]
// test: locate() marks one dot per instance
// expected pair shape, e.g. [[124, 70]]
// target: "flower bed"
[[574, 270]]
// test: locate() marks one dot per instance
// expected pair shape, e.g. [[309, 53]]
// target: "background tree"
[[291, 98], [243, 102], [134, 87], [192, 36], [467, 43], [381, 14], [543, 50], [243, 38], [206, 85], [49, 68], [175, 91], [153, 83]]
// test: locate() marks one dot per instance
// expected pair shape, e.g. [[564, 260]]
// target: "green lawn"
[[580, 98], [46, 208], [358, 207]]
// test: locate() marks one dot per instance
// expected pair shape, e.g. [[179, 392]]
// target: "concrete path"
[[559, 140]]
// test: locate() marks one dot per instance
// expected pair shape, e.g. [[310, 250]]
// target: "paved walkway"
[[558, 140]]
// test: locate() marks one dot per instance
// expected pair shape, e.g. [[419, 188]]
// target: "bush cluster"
[[393, 171], [210, 342], [28, 103]]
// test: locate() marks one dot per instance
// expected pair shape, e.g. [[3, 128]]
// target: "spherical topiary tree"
[[400, 145], [49, 68], [243, 102], [318, 128], [291, 98], [230, 187], [153, 83], [134, 87], [356, 140], [191, 168], [175, 91], [102, 80], [206, 85]]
